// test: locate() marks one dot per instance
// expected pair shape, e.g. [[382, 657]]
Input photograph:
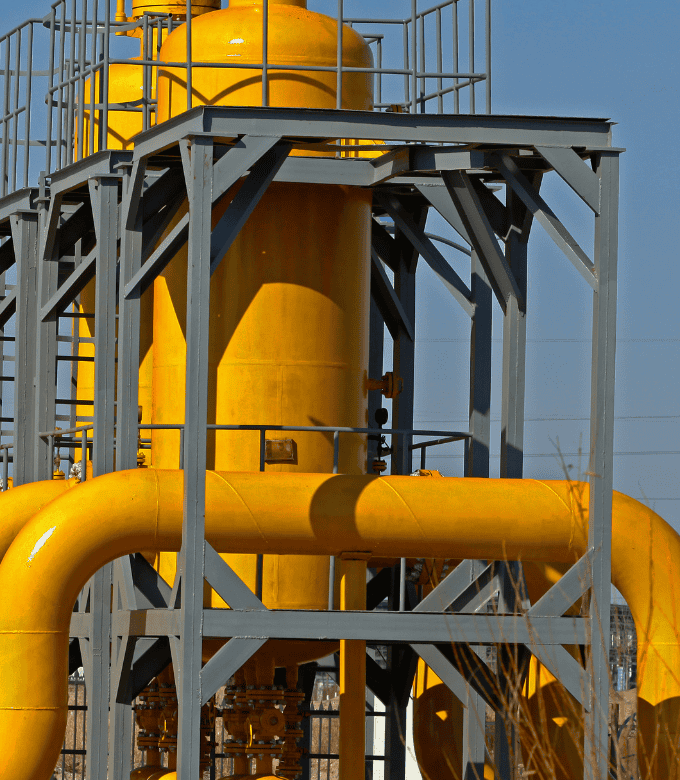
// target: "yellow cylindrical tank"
[[296, 36], [125, 86], [289, 303]]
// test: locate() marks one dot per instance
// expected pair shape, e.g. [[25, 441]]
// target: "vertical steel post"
[[440, 60], [403, 363], [129, 323], [477, 465], [4, 171], [471, 51], [46, 358], [338, 64], [97, 676], [50, 93], [93, 63], [414, 56], [104, 125], [265, 53], [120, 718], [601, 465], [514, 347], [28, 113], [488, 56], [512, 444], [456, 80], [25, 236], [477, 447], [192, 562], [15, 108], [190, 58], [80, 109], [104, 193], [104, 197], [71, 87]]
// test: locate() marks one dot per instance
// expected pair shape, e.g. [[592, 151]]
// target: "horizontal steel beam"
[[385, 627], [105, 163], [320, 124], [19, 200]]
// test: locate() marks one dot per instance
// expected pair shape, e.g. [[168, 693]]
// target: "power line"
[[570, 454], [562, 419], [559, 341]]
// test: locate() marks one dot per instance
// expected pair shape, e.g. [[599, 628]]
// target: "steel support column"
[[25, 238], [129, 321], [477, 451], [46, 354], [104, 193], [477, 447], [192, 556], [601, 465], [512, 450], [403, 363], [104, 197], [403, 366]]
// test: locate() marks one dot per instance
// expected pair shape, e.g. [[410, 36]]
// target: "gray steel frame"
[[440, 162], [47, 64]]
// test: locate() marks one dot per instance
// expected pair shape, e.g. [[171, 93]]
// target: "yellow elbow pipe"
[[315, 514], [20, 504]]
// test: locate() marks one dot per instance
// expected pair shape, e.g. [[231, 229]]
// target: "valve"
[[141, 458], [379, 464], [390, 385], [57, 473]]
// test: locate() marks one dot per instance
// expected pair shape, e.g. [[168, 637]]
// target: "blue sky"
[[602, 59]]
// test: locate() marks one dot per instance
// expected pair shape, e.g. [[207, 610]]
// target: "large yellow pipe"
[[61, 547], [20, 504]]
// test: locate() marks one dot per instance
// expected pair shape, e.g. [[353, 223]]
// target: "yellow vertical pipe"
[[352, 671]]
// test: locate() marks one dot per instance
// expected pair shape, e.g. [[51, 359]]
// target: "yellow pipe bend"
[[19, 504], [63, 546]]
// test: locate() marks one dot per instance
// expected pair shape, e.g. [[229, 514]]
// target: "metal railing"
[[54, 73], [6, 460], [71, 765], [77, 438], [450, 436]]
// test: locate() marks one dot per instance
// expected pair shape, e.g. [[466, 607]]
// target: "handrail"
[[375, 433], [46, 63]]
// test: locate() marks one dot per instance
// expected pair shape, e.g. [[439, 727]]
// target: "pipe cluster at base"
[[60, 548]]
